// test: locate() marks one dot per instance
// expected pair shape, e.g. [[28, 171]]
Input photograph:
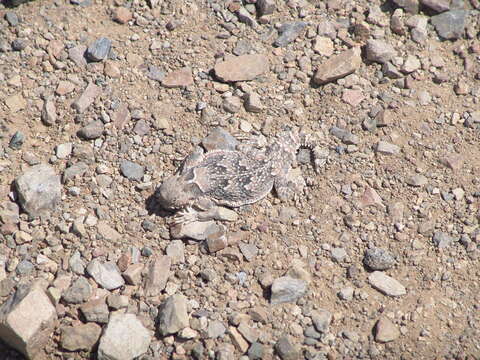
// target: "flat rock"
[[131, 170], [80, 337], [338, 66], [95, 310], [27, 320], [286, 350], [386, 284], [387, 148], [172, 315], [321, 320], [178, 78], [417, 180], [16, 103], [38, 189], [79, 292], [215, 329], [92, 130], [157, 275], [219, 138], [88, 96], [241, 68], [386, 330], [49, 112], [124, 338], [450, 25], [287, 289], [106, 274]]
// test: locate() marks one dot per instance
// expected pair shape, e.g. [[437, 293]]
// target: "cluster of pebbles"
[[377, 258]]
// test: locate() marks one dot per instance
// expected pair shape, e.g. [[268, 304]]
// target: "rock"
[[286, 350], [215, 329], [417, 180], [386, 284], [17, 140], [49, 112], [245, 17], [454, 161], [249, 333], [92, 130], [87, 98], [241, 68], [80, 337], [99, 49], [253, 103], [265, 7], [232, 104], [323, 45], [387, 148], [410, 6], [172, 315], [353, 97], [76, 170], [107, 232], [16, 103], [370, 198], [321, 320], [288, 32], [133, 274], [338, 66], [178, 78], [95, 310], [249, 251], [450, 25], [106, 274], [385, 330], [11, 18], [64, 88], [124, 338], [38, 189], [122, 15], [131, 170], [157, 275], [198, 230], [442, 239], [379, 51], [338, 254], [237, 339], [346, 293], [219, 139], [77, 55], [287, 289], [256, 351], [62, 151], [79, 292], [437, 5], [27, 320], [411, 64], [176, 251], [378, 259]]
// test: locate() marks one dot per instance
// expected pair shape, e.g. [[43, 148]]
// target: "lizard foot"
[[185, 216]]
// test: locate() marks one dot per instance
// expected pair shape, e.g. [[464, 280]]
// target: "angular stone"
[[38, 189], [157, 275], [450, 25], [16, 103], [386, 284], [238, 340], [49, 112], [133, 274], [92, 130], [219, 139], [179, 78], [370, 198], [215, 329], [338, 66], [124, 338], [122, 15], [172, 315], [286, 350], [77, 55], [249, 333], [323, 45], [27, 320], [353, 97], [386, 330], [106, 274], [442, 239], [62, 151], [379, 51], [241, 68], [417, 180], [76, 170], [95, 311], [287, 289], [289, 32], [321, 320], [454, 161], [79, 292], [64, 87], [87, 98], [387, 148], [80, 337], [107, 232], [265, 7], [245, 17], [410, 6], [99, 49]]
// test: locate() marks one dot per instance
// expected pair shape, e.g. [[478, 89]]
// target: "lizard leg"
[[319, 153], [185, 216]]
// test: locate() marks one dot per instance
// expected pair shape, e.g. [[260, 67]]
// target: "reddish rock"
[[338, 66], [122, 15], [179, 78], [241, 68]]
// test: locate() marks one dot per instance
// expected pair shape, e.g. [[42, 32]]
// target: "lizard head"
[[176, 192]]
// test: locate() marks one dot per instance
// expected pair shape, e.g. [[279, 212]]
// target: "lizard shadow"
[[154, 208]]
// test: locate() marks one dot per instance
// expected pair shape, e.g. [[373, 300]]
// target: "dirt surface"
[[417, 198]]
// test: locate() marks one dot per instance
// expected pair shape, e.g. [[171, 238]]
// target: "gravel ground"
[[377, 258]]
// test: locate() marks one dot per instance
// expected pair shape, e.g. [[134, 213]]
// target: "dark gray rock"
[[79, 292], [450, 25], [286, 350], [19, 44], [288, 32], [99, 49], [378, 259], [11, 18], [92, 130], [17, 141], [442, 239], [172, 315]]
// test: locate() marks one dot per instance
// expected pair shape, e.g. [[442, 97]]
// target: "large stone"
[[105, 274], [386, 284], [157, 275], [38, 189], [241, 68], [124, 338], [89, 95], [172, 315], [338, 66], [450, 25], [287, 289], [288, 32], [178, 78], [379, 51], [386, 330], [27, 320], [80, 337]]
